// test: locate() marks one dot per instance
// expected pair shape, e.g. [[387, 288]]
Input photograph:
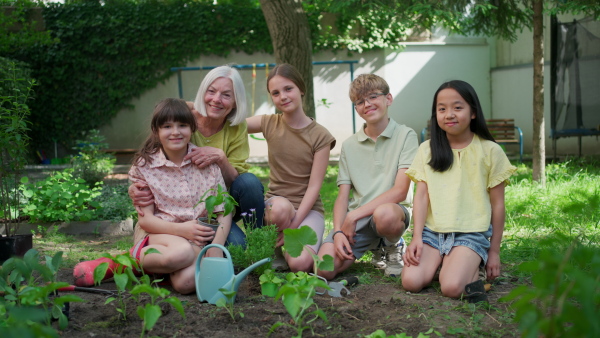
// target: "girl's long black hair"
[[167, 110], [441, 152]]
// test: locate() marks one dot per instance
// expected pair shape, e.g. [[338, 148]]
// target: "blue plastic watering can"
[[214, 273]]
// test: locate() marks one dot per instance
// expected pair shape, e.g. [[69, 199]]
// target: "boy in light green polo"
[[372, 166]]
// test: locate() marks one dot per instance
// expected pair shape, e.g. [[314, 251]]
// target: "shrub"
[[60, 198], [92, 164], [15, 92], [114, 204], [260, 244], [564, 300]]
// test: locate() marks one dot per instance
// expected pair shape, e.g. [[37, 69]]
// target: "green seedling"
[[221, 196], [227, 303], [151, 312], [30, 301], [270, 283], [297, 294]]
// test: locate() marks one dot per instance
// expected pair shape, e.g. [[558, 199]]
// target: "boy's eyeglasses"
[[370, 99]]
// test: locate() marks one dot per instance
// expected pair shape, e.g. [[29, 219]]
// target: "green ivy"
[[98, 57], [109, 54]]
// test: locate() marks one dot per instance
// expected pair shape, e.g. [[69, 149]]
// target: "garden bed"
[[376, 303]]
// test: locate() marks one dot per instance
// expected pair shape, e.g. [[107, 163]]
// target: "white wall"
[[413, 74]]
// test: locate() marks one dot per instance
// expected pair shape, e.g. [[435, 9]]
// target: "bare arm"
[[190, 230], [420, 206], [395, 194], [498, 218], [317, 175], [340, 211], [254, 124]]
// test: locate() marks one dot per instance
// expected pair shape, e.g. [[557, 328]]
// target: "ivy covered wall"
[[105, 55]]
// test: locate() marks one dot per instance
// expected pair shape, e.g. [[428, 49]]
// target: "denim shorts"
[[367, 237], [444, 242]]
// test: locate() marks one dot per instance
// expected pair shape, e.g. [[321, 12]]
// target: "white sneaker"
[[279, 263], [393, 258], [378, 258]]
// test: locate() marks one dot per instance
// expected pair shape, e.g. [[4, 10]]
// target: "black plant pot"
[[16, 245]]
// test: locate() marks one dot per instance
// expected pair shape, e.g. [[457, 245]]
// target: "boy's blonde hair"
[[366, 84]]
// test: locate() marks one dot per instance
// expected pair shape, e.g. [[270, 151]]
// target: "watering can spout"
[[240, 277]]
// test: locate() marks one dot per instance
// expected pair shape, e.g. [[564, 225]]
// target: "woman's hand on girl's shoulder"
[[413, 252]]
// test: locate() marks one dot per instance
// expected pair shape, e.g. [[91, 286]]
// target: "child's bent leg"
[[416, 277], [305, 262], [460, 267], [184, 280], [389, 221], [338, 264], [279, 211], [176, 253]]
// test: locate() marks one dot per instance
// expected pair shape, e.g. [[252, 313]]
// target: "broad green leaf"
[[100, 272], [151, 316], [296, 239]]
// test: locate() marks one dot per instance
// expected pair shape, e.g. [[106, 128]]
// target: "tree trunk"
[[539, 146], [290, 33]]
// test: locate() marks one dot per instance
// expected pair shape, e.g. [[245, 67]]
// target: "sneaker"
[[279, 263], [83, 273], [393, 258], [378, 258]]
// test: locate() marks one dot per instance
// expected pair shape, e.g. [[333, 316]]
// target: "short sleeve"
[[500, 168], [409, 150], [135, 175], [343, 173], [416, 172]]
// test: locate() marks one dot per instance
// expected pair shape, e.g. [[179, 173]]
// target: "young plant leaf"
[[296, 239]]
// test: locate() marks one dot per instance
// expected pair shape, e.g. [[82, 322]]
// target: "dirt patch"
[[377, 302]]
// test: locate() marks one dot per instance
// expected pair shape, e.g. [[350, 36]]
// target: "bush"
[[92, 164], [260, 244], [114, 204], [564, 300], [60, 198]]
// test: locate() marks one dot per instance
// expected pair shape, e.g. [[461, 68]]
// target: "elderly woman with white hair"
[[222, 138]]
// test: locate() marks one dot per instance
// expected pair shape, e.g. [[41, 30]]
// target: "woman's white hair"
[[237, 114]]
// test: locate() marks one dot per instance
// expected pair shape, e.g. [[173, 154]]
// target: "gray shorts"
[[444, 242], [367, 237]]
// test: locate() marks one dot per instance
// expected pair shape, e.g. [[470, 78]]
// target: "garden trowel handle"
[[349, 281]]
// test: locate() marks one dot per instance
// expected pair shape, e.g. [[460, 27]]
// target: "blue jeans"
[[248, 192]]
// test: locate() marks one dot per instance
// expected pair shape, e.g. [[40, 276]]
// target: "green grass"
[[569, 206]]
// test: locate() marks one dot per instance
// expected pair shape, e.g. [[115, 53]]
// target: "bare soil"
[[376, 303]]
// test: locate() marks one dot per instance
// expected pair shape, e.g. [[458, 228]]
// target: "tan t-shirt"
[[291, 155]]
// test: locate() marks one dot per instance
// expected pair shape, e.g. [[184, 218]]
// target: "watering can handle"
[[201, 254]]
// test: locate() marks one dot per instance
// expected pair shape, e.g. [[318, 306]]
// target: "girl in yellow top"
[[459, 203]]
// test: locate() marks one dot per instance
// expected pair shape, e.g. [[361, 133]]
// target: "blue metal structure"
[[350, 63]]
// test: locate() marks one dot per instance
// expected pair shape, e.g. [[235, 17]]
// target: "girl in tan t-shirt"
[[298, 157]]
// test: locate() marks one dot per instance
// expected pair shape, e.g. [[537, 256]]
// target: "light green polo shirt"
[[370, 167]]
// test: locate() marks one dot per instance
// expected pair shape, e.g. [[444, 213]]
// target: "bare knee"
[[296, 265], [389, 219], [412, 285], [452, 289], [279, 212], [183, 286], [329, 275]]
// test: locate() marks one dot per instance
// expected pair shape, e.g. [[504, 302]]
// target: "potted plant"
[[221, 196], [15, 91], [269, 283]]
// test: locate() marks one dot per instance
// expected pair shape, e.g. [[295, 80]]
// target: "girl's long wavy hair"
[[441, 152], [167, 110]]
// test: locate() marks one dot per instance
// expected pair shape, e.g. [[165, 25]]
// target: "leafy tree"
[[383, 23]]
